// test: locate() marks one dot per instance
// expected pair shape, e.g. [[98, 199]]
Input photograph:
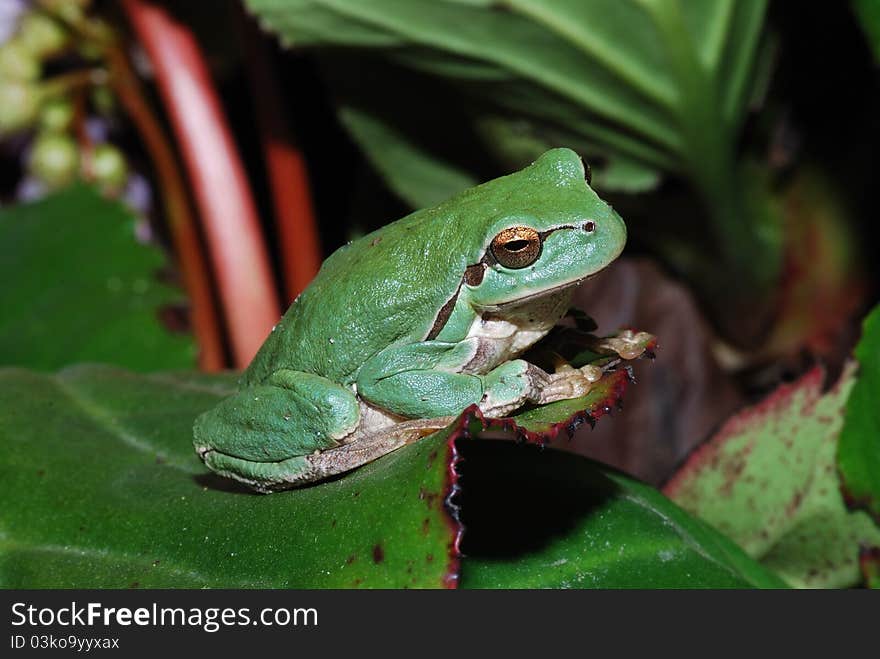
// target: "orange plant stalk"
[[216, 173], [288, 179]]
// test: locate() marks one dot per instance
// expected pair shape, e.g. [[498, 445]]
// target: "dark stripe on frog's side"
[[473, 275]]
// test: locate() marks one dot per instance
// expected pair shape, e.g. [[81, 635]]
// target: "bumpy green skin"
[[360, 332]]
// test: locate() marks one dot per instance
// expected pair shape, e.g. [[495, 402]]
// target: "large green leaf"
[[551, 520], [858, 455], [768, 480], [77, 286], [627, 64], [418, 178], [102, 489], [642, 86]]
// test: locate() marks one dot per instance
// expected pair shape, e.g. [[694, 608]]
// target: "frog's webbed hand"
[[626, 343], [424, 380], [567, 382]]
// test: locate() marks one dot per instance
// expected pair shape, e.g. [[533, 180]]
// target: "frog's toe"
[[261, 476]]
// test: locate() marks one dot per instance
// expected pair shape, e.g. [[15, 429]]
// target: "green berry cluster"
[[31, 103], [38, 37]]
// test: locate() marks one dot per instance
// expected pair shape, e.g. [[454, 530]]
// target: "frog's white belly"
[[504, 335]]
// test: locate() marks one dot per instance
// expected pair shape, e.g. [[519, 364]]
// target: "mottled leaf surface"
[[768, 480], [78, 286]]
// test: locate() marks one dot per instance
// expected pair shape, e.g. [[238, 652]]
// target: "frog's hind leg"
[[366, 448], [273, 476], [263, 435]]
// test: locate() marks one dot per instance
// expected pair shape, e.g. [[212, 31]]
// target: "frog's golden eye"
[[517, 247]]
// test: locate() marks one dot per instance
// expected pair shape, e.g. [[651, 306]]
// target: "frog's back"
[[370, 294], [387, 287]]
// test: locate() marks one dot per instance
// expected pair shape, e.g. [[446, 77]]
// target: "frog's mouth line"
[[512, 304]]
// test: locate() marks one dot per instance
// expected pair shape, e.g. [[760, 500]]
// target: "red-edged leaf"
[[768, 480]]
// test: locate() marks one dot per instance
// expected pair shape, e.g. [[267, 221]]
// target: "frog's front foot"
[[518, 382], [567, 382]]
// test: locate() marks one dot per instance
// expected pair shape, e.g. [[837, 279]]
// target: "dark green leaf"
[[548, 519], [103, 489], [77, 286], [868, 14], [418, 178], [858, 456]]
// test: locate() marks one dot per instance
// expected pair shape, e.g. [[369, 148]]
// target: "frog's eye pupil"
[[517, 247], [589, 227]]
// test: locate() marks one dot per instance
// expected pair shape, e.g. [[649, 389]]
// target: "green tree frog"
[[405, 327]]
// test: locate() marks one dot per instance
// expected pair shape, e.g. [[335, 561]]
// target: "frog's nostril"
[[590, 226]]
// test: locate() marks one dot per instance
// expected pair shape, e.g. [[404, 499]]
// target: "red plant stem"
[[288, 178], [228, 212], [178, 211]]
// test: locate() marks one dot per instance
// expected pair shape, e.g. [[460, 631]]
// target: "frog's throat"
[[501, 307]]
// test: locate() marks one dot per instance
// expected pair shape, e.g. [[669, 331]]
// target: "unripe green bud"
[[42, 35], [19, 105], [54, 159], [109, 168], [70, 10], [90, 51], [18, 63], [103, 100], [56, 115]]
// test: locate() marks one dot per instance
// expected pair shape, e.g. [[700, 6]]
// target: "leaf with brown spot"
[[768, 480]]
